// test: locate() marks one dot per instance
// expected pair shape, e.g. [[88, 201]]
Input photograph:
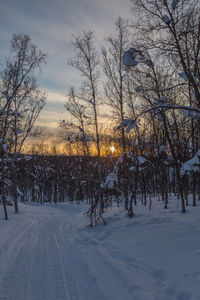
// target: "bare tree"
[[77, 128], [169, 32], [86, 62], [21, 100], [115, 72]]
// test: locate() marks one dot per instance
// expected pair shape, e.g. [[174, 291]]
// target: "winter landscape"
[[100, 171], [50, 252]]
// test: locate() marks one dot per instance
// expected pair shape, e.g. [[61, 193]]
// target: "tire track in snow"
[[62, 269], [10, 249], [44, 263], [13, 280]]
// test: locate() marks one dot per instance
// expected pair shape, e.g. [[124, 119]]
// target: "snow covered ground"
[[49, 253]]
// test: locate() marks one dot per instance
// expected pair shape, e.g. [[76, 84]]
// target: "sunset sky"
[[50, 24]]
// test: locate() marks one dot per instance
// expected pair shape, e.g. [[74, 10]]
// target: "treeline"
[[151, 83], [52, 179], [130, 180], [146, 105]]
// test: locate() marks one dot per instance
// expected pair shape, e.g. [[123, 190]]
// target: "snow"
[[183, 75], [174, 4], [163, 148], [141, 160], [193, 93], [128, 58], [138, 88], [191, 113], [195, 79], [132, 168], [4, 146], [166, 19], [49, 252], [129, 124], [191, 165], [160, 101], [163, 99], [111, 181], [38, 258]]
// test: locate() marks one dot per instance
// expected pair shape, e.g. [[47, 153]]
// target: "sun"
[[112, 148]]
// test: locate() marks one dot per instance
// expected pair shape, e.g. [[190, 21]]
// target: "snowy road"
[[49, 253], [39, 260]]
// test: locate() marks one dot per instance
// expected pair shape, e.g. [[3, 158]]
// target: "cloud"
[[53, 111], [51, 23]]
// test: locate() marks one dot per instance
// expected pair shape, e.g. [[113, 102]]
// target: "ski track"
[[43, 263], [52, 255]]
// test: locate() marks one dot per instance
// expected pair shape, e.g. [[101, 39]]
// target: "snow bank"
[[154, 255]]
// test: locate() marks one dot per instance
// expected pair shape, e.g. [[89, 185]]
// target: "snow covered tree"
[[21, 100], [164, 61]]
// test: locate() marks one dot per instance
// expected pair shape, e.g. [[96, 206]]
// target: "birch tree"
[[21, 100], [86, 61], [114, 71]]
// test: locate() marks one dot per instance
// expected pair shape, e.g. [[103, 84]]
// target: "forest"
[[132, 129]]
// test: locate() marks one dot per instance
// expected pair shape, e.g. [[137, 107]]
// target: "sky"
[[50, 24]]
